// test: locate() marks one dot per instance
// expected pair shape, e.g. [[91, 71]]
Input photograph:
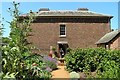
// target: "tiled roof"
[[68, 13], [108, 37]]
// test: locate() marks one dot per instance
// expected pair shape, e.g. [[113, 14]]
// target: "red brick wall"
[[82, 35], [116, 43]]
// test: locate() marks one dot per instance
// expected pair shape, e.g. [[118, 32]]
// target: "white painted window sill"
[[62, 35]]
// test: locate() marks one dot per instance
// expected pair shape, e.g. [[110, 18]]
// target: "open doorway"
[[62, 49]]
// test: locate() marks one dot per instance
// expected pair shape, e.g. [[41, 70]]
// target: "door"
[[62, 49]]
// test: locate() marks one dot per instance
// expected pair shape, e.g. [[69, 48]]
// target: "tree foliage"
[[16, 50]]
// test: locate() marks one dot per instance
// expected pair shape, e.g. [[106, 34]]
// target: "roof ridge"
[[69, 13], [101, 13]]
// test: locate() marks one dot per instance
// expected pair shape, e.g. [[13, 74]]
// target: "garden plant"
[[105, 63], [18, 61]]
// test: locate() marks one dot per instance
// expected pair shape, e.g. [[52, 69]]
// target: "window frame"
[[61, 25]]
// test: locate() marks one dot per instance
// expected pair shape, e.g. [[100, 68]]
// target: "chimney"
[[31, 11], [82, 9], [44, 9]]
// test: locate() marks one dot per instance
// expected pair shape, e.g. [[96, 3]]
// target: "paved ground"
[[60, 73]]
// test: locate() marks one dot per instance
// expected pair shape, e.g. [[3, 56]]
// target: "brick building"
[[110, 40], [68, 28]]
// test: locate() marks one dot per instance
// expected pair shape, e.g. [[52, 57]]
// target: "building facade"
[[116, 43], [110, 40], [68, 29]]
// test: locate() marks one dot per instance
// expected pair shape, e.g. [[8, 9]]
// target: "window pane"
[[62, 29]]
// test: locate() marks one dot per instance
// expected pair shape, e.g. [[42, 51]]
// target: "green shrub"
[[53, 48], [105, 62], [17, 61]]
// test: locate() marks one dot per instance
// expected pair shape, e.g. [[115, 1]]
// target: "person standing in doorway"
[[61, 53]]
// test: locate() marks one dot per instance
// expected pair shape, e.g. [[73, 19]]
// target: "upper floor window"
[[62, 30]]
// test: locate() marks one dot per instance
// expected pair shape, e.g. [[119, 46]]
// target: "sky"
[[110, 8]]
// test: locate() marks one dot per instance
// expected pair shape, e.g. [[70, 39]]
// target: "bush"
[[105, 62], [34, 67], [17, 61]]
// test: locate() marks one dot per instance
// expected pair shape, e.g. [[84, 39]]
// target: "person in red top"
[[50, 54]]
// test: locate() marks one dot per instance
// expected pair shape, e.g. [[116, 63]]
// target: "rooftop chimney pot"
[[82, 9], [44, 9], [30, 11]]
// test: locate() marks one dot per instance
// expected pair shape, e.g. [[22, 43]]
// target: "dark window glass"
[[62, 29]]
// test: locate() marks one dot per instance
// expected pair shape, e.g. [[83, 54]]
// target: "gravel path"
[[61, 73]]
